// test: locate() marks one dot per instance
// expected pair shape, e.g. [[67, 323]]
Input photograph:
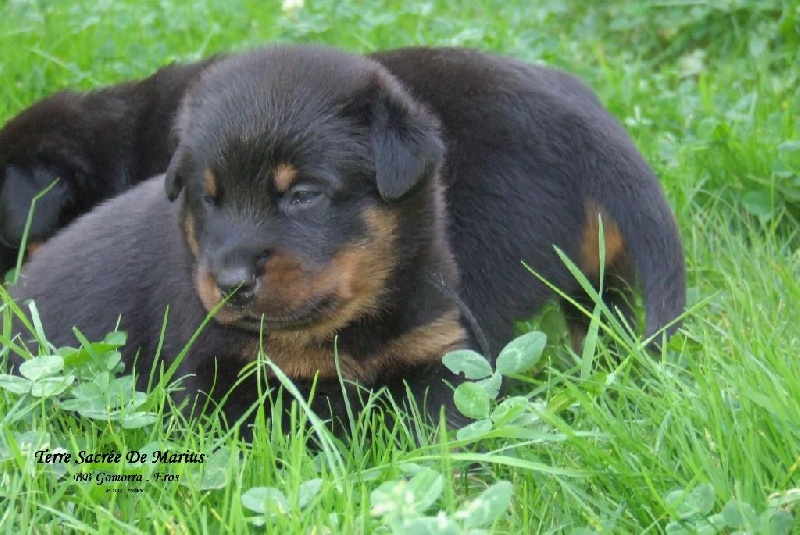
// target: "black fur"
[[525, 149], [94, 144], [137, 254]]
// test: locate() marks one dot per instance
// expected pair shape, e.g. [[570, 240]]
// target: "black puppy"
[[312, 221], [92, 145], [532, 160]]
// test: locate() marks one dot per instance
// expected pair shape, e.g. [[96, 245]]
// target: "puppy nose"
[[237, 284]]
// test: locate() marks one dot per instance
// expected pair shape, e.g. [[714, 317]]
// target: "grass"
[[704, 438]]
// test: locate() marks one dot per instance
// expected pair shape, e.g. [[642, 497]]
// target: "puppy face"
[[300, 166]]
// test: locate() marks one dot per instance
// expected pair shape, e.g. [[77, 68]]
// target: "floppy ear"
[[406, 141], [173, 179]]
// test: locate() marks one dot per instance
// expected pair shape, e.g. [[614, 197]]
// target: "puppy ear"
[[173, 179], [406, 141]]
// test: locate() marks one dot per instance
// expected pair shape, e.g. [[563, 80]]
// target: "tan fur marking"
[[284, 176], [300, 361], [301, 358], [422, 345], [210, 181], [356, 276], [577, 335], [210, 295], [191, 238], [590, 246], [361, 270], [33, 247]]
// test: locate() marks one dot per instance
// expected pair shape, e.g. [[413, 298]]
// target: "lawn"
[[704, 437]]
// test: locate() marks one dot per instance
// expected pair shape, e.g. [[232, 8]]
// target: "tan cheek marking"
[[363, 269], [286, 283], [359, 273], [356, 276], [205, 284], [210, 295], [590, 249], [210, 181], [206, 288], [285, 175]]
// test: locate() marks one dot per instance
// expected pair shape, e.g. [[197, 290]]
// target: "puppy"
[[532, 162], [89, 146], [310, 222], [527, 159]]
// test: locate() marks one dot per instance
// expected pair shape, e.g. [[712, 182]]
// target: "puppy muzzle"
[[237, 284]]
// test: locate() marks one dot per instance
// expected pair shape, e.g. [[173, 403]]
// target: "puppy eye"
[[301, 196]]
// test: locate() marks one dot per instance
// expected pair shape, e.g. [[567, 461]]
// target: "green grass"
[[703, 438]]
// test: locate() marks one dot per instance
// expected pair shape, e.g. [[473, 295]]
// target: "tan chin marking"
[[590, 247]]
